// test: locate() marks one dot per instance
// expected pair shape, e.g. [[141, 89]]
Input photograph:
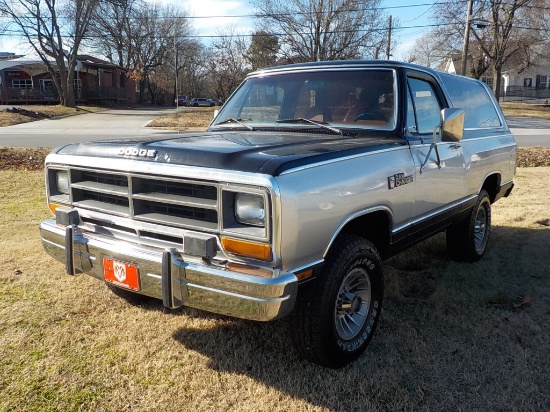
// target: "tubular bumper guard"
[[164, 274]]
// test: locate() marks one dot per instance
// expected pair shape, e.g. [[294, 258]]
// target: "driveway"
[[116, 123], [530, 131]]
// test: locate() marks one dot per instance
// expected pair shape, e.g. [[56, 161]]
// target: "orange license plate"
[[122, 274]]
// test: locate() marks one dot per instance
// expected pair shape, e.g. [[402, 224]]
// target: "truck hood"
[[255, 151]]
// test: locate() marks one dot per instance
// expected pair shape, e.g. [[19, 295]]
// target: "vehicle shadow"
[[447, 331]]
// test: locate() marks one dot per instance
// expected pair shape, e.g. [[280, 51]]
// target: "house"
[[24, 80], [520, 81]]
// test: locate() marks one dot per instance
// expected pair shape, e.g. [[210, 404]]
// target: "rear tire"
[[467, 240], [336, 314]]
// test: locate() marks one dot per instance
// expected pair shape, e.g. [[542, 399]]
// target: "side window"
[[411, 118], [470, 96], [426, 106]]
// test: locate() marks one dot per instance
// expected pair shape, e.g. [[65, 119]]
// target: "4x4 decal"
[[399, 180]]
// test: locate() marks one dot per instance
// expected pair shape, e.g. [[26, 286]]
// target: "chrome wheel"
[[480, 230], [467, 239], [352, 304]]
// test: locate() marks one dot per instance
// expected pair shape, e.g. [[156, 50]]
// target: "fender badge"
[[135, 152], [399, 180]]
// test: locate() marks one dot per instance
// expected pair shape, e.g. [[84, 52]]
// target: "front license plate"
[[122, 274]]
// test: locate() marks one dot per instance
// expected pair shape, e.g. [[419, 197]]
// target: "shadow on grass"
[[443, 343]]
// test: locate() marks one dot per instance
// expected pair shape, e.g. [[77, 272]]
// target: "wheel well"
[[492, 186], [374, 226]]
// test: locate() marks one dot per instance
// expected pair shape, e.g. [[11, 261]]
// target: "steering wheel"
[[371, 116]]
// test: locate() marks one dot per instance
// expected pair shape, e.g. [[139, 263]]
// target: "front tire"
[[467, 240], [336, 314]]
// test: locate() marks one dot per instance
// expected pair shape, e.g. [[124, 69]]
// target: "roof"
[[348, 63], [38, 66]]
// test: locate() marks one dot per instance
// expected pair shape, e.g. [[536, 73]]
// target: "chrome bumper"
[[164, 274]]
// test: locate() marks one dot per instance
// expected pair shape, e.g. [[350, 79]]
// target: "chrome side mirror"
[[452, 125]]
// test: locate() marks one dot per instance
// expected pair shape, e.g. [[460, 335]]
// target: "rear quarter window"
[[470, 96]]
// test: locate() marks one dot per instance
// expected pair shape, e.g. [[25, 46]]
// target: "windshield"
[[344, 99]]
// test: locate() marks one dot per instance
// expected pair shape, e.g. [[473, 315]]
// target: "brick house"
[[28, 81]]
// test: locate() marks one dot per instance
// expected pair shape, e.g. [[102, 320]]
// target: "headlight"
[[250, 209], [62, 182]]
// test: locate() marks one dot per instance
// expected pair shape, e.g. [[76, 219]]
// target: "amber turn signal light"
[[53, 207], [247, 248]]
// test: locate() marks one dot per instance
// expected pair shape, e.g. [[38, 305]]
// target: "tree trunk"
[[141, 90], [497, 79]]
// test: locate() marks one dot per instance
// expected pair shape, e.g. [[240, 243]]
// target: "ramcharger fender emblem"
[[399, 180], [135, 152]]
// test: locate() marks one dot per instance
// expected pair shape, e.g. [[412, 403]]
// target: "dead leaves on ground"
[[533, 156], [521, 302], [18, 158]]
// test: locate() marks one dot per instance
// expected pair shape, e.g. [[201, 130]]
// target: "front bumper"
[[166, 275]]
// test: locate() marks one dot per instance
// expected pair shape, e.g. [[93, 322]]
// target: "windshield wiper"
[[318, 124], [238, 121]]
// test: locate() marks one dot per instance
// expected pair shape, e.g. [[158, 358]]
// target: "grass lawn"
[[452, 336], [8, 118]]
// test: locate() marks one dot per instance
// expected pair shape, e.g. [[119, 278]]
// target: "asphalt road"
[[131, 123], [529, 131], [115, 123]]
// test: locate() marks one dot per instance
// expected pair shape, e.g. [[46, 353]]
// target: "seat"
[[367, 109], [319, 114]]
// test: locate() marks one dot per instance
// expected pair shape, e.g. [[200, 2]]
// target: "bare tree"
[[502, 32], [194, 70], [114, 26], [227, 63], [427, 51], [55, 30], [313, 30], [160, 31]]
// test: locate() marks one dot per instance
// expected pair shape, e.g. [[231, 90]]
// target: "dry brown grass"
[[524, 109], [452, 336], [186, 118], [51, 111]]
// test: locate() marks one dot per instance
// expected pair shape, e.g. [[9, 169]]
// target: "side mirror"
[[452, 125]]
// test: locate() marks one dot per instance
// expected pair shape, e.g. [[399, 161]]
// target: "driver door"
[[439, 179]]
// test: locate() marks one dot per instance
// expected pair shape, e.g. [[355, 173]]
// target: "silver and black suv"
[[308, 178]]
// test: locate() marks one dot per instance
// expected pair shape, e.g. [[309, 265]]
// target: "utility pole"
[[466, 38], [388, 48]]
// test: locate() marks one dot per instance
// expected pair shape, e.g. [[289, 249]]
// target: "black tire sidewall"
[[358, 253], [483, 202], [461, 242]]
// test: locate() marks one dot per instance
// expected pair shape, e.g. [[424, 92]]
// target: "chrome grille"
[[169, 201]]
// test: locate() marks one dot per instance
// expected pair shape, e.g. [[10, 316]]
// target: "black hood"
[[254, 151]]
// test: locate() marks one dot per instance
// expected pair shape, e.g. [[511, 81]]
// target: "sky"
[[211, 16], [413, 15]]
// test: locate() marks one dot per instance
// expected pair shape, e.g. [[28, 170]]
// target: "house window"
[[543, 82], [528, 82], [21, 83], [46, 84], [487, 80]]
